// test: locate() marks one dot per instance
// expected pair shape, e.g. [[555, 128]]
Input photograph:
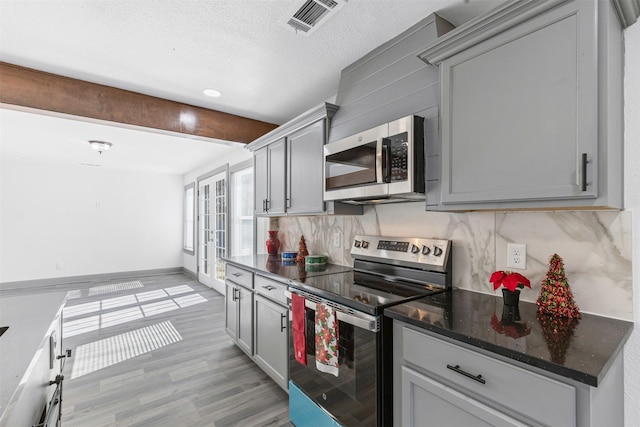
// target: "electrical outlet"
[[516, 256], [59, 265], [337, 239]]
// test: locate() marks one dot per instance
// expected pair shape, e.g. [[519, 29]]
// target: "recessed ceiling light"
[[212, 93], [100, 146]]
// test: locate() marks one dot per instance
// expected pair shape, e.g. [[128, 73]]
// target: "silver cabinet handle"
[[283, 325], [237, 274], [584, 172], [268, 287]]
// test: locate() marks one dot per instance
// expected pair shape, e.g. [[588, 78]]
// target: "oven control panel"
[[432, 254]]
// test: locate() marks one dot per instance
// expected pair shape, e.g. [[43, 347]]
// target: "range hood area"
[[388, 84]]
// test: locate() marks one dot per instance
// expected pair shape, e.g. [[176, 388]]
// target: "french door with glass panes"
[[212, 230]]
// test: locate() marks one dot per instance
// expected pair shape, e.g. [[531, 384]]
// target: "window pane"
[[188, 217], [241, 217]]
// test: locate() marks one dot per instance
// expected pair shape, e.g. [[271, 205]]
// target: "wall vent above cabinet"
[[313, 12]]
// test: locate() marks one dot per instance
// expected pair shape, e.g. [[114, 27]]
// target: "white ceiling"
[[176, 48]]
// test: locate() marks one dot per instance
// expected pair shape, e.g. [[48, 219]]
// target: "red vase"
[[273, 244]]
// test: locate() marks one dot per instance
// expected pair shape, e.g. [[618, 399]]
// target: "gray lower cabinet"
[[441, 382], [239, 307], [430, 402], [271, 339], [257, 319], [271, 327], [532, 107]]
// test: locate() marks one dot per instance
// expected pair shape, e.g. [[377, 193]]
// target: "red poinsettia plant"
[[509, 280]]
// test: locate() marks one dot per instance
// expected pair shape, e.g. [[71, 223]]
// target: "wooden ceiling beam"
[[26, 87]]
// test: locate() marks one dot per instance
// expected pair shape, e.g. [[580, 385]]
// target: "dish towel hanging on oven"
[[326, 340], [298, 321]]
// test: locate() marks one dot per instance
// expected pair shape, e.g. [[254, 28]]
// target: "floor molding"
[[23, 284]]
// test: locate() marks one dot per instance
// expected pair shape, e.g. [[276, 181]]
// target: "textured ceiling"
[[243, 48]]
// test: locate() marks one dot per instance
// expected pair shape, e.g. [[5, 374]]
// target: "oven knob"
[[357, 243], [425, 250], [437, 251], [365, 244], [414, 249]]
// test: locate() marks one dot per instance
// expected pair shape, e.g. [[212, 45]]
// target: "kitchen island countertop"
[[30, 320], [580, 350]]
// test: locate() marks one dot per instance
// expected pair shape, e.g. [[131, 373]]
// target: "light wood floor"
[[152, 351]]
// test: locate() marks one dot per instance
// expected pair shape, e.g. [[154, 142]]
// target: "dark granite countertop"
[[580, 350], [278, 269]]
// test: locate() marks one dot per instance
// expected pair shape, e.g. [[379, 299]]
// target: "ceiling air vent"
[[312, 13]]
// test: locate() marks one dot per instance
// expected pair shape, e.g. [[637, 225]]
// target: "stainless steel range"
[[353, 387]]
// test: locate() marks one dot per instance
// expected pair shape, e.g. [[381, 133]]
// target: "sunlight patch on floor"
[[109, 351], [115, 287]]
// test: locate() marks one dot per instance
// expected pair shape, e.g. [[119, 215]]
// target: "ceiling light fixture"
[[100, 146], [212, 93]]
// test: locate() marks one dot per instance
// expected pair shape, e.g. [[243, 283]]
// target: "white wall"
[[91, 220], [236, 156], [632, 202]]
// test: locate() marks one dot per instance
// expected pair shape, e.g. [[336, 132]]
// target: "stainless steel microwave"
[[383, 164]]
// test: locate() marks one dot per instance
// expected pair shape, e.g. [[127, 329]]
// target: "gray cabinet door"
[[305, 170], [261, 180], [426, 402], [271, 338], [277, 169], [519, 112], [231, 310], [245, 320]]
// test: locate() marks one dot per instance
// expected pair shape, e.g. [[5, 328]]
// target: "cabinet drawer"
[[271, 289], [542, 399], [239, 276]]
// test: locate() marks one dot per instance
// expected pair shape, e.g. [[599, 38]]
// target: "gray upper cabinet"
[[531, 107], [269, 176], [305, 170], [261, 180], [288, 168]]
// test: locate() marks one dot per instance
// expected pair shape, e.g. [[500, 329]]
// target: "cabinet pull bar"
[[466, 374], [268, 287], [283, 327], [584, 172], [237, 274]]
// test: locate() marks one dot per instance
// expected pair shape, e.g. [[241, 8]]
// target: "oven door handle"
[[363, 321], [359, 320], [367, 324]]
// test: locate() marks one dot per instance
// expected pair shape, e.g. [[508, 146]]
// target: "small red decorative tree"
[[302, 250], [555, 297]]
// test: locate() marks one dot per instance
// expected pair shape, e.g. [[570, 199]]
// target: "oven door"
[[353, 396], [355, 167]]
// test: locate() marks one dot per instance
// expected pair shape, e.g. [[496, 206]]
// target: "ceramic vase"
[[510, 308], [273, 244]]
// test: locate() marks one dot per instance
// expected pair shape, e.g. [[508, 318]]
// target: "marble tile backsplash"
[[595, 246]]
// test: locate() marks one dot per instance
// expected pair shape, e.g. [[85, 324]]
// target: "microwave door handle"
[[386, 145], [379, 177]]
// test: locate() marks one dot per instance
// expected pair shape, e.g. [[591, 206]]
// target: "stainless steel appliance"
[[383, 164], [387, 271]]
